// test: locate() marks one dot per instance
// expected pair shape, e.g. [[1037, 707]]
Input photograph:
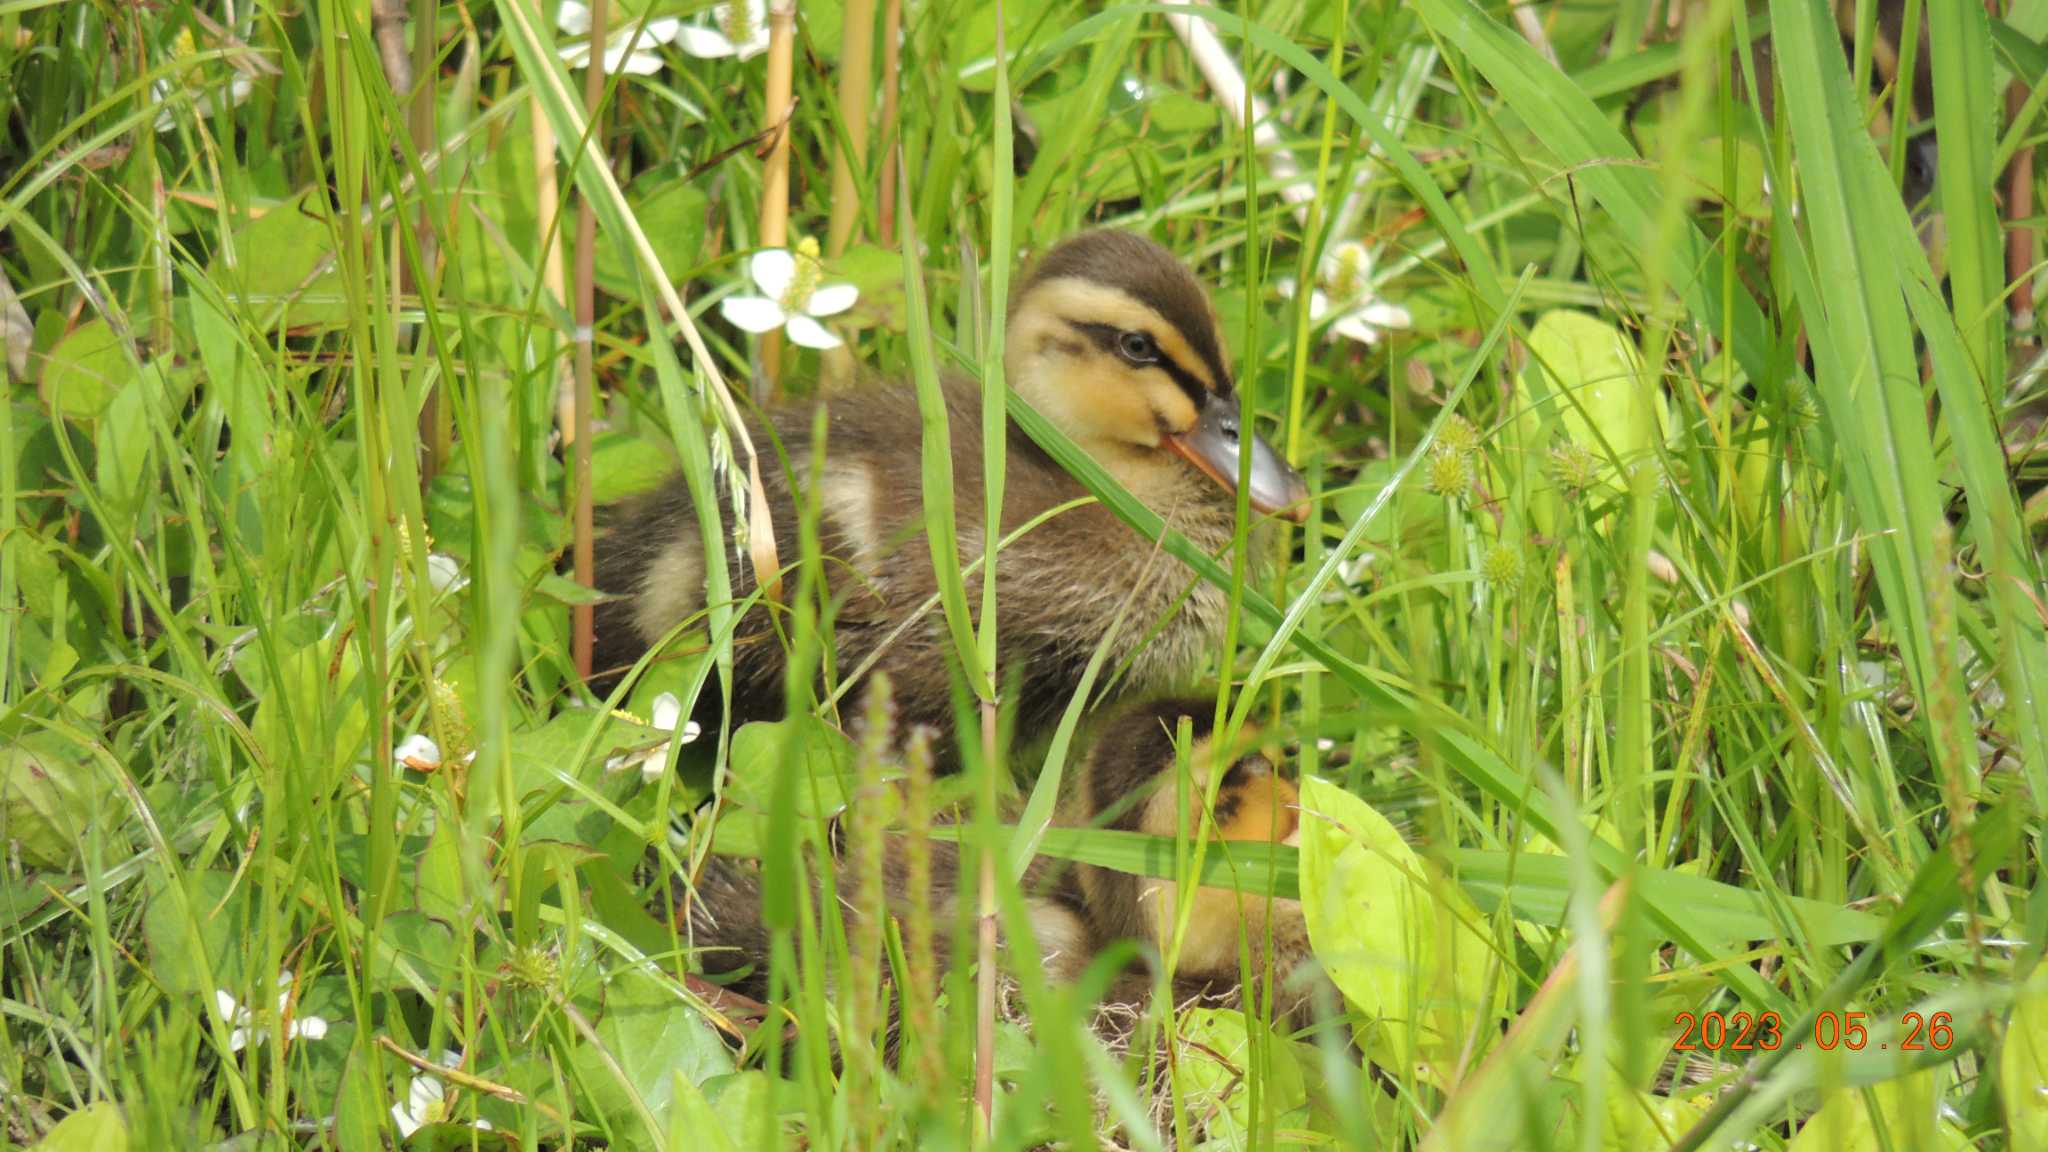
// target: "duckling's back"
[[1059, 586]]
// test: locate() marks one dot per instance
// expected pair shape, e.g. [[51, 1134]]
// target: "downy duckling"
[[1128, 782], [1112, 339]]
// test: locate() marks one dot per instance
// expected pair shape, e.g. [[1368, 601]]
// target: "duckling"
[[1112, 339], [1127, 782]]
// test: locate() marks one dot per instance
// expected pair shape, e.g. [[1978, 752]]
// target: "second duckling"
[[1129, 782]]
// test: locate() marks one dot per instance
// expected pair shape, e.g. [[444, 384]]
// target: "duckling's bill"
[[1212, 446]]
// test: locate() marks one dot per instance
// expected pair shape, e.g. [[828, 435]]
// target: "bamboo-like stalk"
[[775, 172], [435, 422], [856, 90], [892, 62], [548, 205], [2019, 209], [583, 617]]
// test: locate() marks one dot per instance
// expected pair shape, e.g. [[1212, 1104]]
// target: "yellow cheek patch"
[[1267, 808]]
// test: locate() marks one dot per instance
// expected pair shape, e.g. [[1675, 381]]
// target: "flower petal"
[[225, 1005], [444, 572], [690, 732], [640, 63], [418, 752], [810, 333], [573, 17], [309, 1027], [831, 299], [239, 1039], [703, 43], [1385, 315], [1353, 326], [666, 712], [404, 1121], [753, 313], [772, 270], [662, 31]]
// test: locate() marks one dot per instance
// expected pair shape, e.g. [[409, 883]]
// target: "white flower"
[[162, 91], [247, 1029], [652, 761], [444, 574], [791, 297], [737, 30], [643, 37], [426, 1101], [1344, 282], [418, 752]]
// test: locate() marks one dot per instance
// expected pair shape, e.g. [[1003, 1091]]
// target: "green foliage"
[[1668, 637]]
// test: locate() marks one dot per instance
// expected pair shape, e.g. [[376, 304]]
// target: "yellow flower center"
[[183, 45], [1347, 279], [804, 280], [739, 23]]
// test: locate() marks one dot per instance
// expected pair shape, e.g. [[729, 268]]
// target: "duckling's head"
[[1114, 340]]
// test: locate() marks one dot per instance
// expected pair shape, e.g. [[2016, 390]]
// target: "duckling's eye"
[[1137, 347]]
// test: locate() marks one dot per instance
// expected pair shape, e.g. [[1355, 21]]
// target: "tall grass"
[[1669, 635]]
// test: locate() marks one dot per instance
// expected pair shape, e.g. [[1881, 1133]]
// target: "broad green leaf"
[[649, 1035], [1218, 1057], [280, 266], [1909, 1108], [671, 212], [86, 370], [49, 798], [2023, 1065], [220, 917], [1585, 379], [93, 1128], [1397, 938]]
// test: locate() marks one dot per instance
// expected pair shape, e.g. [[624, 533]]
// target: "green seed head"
[[1574, 468], [1457, 435], [1450, 473], [1504, 567]]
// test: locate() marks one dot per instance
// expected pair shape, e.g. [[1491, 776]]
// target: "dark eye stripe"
[[1105, 337]]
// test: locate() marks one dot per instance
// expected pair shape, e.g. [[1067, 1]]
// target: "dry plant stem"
[[17, 332], [387, 25], [892, 57], [775, 173], [1531, 26], [548, 200], [1220, 71], [985, 958], [584, 615], [2019, 208], [856, 90]]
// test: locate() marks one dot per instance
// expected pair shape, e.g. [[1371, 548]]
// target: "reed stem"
[[583, 616], [856, 89]]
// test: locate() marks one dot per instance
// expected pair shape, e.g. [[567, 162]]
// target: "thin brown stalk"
[[418, 83], [892, 63], [2019, 209], [775, 173], [583, 616], [856, 90]]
